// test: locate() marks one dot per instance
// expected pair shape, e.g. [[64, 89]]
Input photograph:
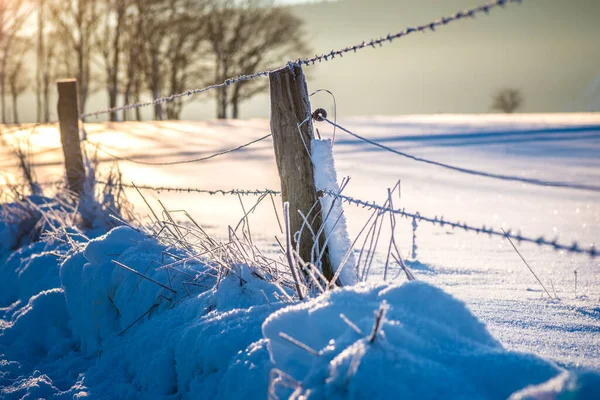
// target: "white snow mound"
[[94, 337], [429, 346]]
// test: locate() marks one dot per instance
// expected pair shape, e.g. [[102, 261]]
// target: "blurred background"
[[541, 56]]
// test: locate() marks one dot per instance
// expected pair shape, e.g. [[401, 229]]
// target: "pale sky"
[[547, 48]]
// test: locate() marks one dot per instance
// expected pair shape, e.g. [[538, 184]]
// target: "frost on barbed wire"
[[334, 220], [415, 225], [509, 233]]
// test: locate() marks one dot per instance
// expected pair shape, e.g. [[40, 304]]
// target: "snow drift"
[[102, 331]]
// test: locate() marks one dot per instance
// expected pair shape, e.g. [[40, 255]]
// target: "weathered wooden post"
[[290, 106], [68, 116]]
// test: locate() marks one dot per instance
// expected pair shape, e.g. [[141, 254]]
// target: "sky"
[[548, 49]]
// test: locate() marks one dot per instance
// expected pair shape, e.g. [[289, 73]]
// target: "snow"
[[476, 312], [335, 230], [568, 385], [428, 345], [224, 342]]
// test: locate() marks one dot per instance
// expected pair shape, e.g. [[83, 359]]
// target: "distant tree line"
[[138, 49]]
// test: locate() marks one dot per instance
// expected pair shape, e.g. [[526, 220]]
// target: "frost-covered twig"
[[351, 325], [526, 264], [143, 276], [298, 343], [288, 242], [379, 318]]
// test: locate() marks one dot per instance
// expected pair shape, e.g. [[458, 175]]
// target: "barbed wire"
[[373, 43], [120, 158], [531, 181], [460, 15], [541, 241], [242, 192]]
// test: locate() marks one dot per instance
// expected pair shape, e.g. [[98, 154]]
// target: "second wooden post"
[[68, 116], [290, 106]]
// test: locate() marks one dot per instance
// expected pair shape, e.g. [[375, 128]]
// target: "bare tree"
[[246, 36], [507, 100], [185, 55], [132, 54], [76, 23], [155, 17], [273, 37], [132, 79], [13, 14], [40, 62], [109, 42], [17, 73], [162, 42], [46, 44]]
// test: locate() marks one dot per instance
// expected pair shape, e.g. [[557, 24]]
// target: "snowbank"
[[429, 346], [106, 333]]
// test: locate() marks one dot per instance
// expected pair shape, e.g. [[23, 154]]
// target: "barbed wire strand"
[[531, 181], [243, 192], [119, 158], [541, 241], [416, 216], [373, 43]]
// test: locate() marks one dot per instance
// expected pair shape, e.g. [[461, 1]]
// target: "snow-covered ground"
[[484, 272]]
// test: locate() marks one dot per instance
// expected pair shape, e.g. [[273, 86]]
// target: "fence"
[[292, 132]]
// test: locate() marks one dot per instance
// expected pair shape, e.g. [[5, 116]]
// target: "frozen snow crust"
[[66, 331]]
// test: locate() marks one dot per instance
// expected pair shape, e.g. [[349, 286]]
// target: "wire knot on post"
[[319, 115]]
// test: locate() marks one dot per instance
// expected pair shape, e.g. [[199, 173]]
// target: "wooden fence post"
[[68, 116], [290, 106]]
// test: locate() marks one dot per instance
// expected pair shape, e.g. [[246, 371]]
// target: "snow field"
[[224, 343]]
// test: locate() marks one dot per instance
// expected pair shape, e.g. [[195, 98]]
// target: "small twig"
[[276, 214], [143, 276], [530, 269], [137, 320], [266, 297], [351, 325], [379, 318], [553, 290], [290, 258], [298, 343]]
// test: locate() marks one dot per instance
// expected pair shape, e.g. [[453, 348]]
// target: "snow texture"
[[77, 340], [566, 386], [336, 232], [216, 344]]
